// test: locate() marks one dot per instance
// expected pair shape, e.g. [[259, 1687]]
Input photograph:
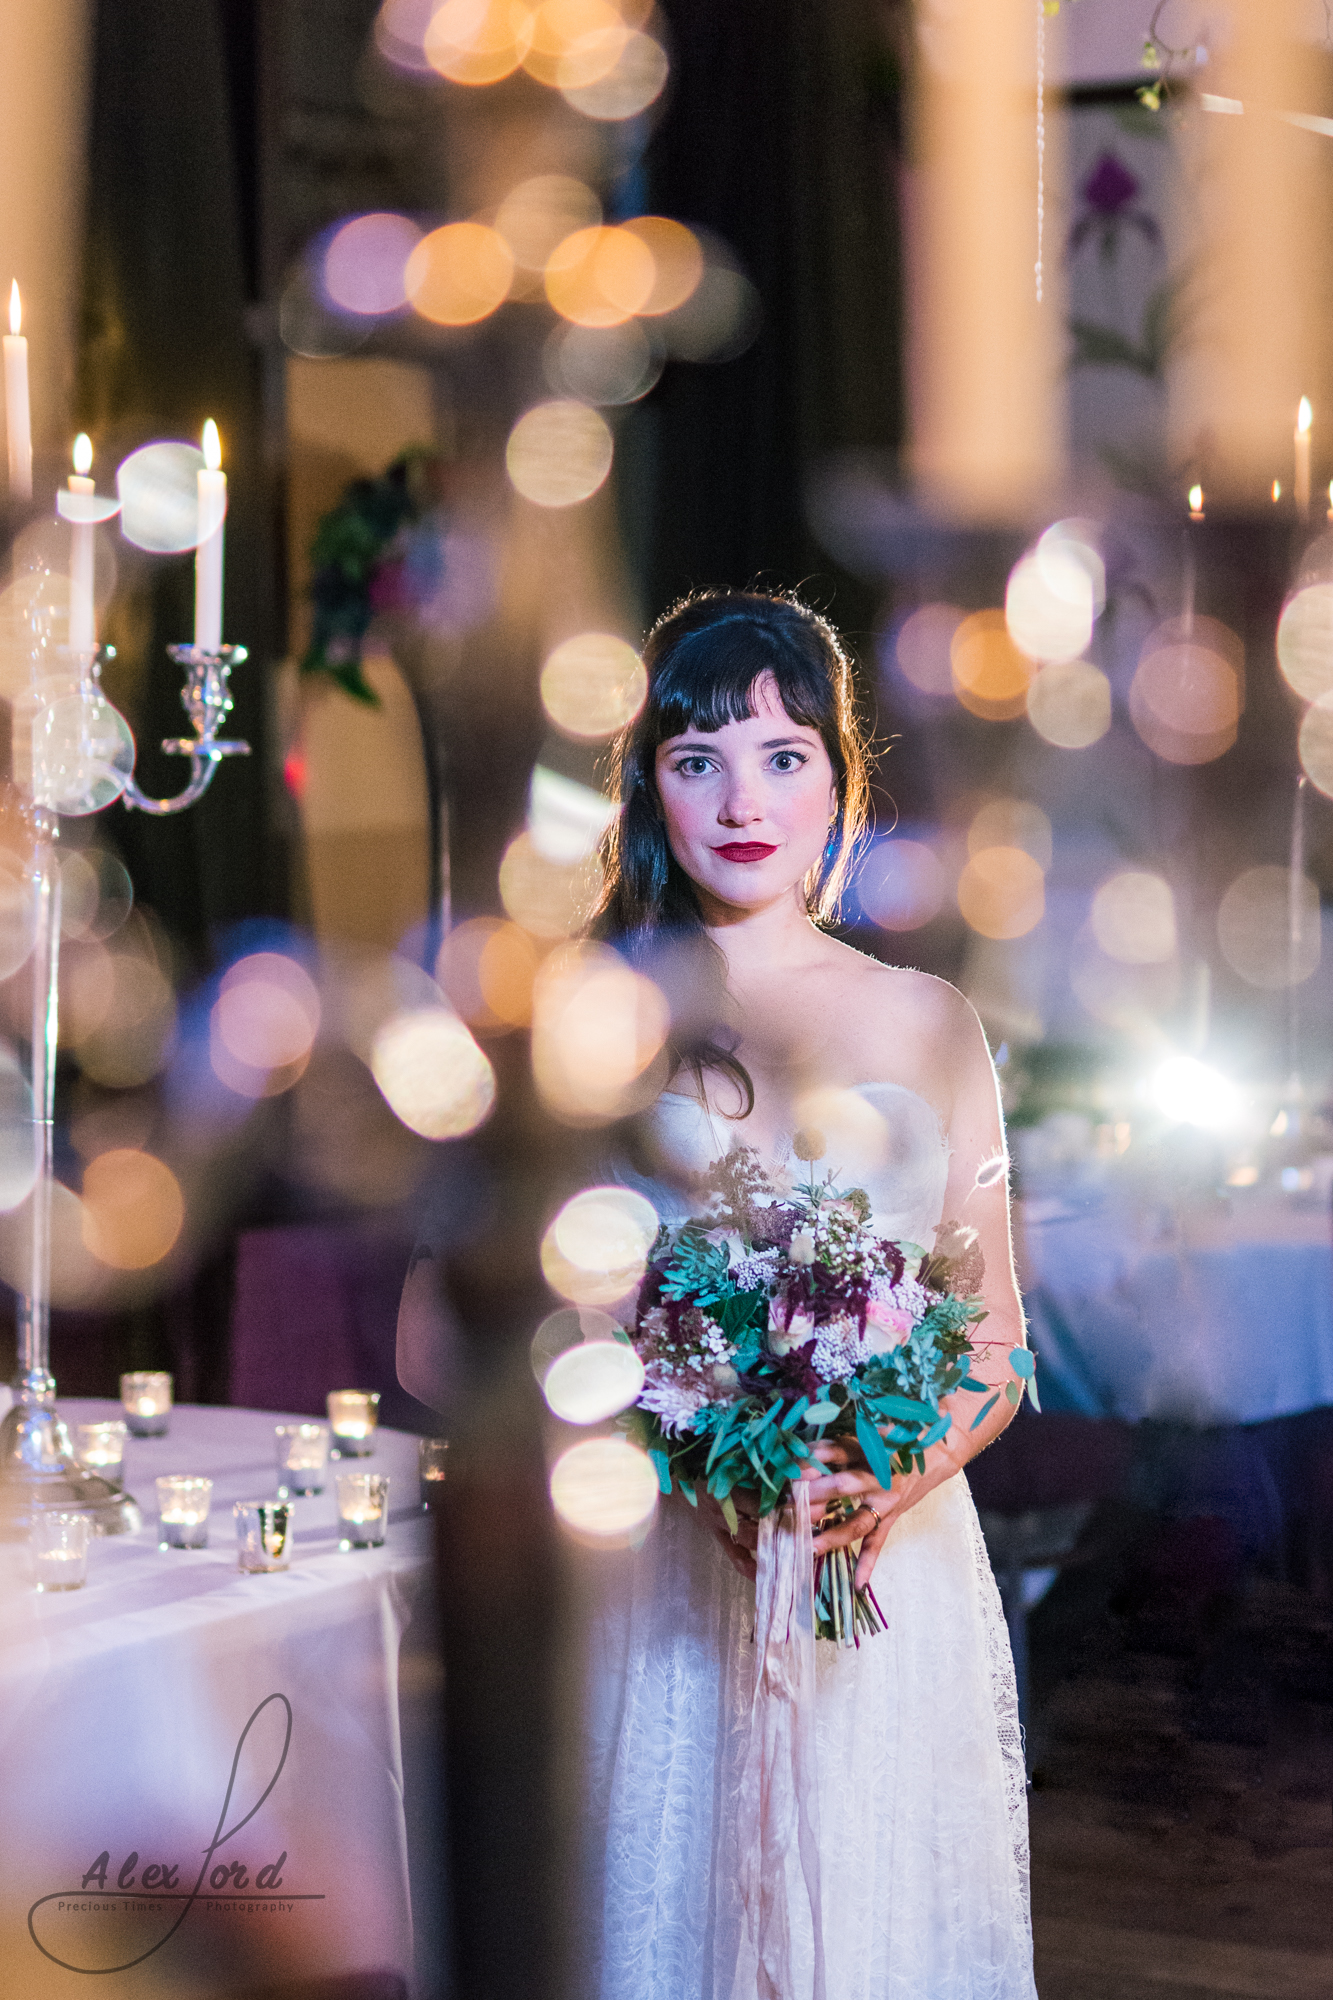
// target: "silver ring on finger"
[[875, 1511]]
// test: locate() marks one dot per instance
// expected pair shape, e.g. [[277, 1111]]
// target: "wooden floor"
[[1182, 1809]]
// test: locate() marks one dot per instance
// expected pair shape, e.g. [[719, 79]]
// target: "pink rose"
[[889, 1319]]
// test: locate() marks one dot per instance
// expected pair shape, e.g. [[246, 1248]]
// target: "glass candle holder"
[[363, 1509], [182, 1511], [100, 1448], [263, 1535], [432, 1464], [303, 1457], [353, 1415], [60, 1551], [145, 1398]]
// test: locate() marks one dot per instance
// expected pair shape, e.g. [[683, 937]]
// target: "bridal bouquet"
[[775, 1320]]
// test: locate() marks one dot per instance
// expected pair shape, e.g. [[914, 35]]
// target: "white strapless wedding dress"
[[922, 1801]]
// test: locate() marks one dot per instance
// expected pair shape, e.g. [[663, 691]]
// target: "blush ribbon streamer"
[[783, 1950]]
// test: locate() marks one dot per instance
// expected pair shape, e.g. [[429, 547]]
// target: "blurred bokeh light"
[[596, 1249], [593, 1381], [1255, 929], [432, 1074], [1002, 892], [1008, 822], [854, 1138], [598, 1029], [599, 276], [478, 42], [922, 648], [551, 899], [487, 968], [990, 673], [604, 1491], [264, 1024], [365, 263], [1133, 918], [459, 274], [1305, 641], [592, 685], [1070, 704], [636, 80], [541, 212], [158, 488], [566, 1328], [133, 1209], [607, 365], [558, 453], [902, 884], [1186, 696], [1316, 744]]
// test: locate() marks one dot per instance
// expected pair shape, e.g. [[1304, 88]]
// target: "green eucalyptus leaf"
[[985, 1411], [876, 1452], [822, 1413]]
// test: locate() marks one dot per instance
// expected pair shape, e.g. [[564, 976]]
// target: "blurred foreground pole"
[[1256, 312], [987, 420], [508, 1832]]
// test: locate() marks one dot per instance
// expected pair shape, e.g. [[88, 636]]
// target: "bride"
[[743, 785]]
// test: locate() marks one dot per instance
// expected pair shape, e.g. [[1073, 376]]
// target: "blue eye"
[[788, 760], [693, 767]]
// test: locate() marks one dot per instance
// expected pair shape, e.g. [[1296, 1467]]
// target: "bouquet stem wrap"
[[779, 1788]]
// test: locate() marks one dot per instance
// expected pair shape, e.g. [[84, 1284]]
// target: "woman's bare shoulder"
[[902, 993]]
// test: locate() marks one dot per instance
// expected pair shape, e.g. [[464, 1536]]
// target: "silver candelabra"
[[91, 764]]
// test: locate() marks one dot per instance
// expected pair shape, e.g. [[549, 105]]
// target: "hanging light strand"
[[1041, 139]]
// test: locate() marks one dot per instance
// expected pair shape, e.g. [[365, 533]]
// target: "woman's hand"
[[850, 1478]]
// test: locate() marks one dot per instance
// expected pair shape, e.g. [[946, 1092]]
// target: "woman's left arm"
[[976, 1195]]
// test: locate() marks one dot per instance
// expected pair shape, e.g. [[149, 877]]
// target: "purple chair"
[[316, 1308]]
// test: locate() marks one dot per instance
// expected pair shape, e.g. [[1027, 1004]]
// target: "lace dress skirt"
[[922, 1803]]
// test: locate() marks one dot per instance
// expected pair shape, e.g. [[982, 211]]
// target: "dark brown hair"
[[703, 659]]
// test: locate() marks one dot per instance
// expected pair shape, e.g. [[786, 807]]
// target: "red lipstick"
[[746, 850]]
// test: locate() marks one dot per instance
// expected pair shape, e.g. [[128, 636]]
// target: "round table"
[[1207, 1313], [202, 1770]]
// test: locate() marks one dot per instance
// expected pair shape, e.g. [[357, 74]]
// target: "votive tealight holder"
[[432, 1465], [100, 1448], [145, 1398], [303, 1457], [263, 1535], [182, 1511], [363, 1509], [353, 1415], [60, 1550]]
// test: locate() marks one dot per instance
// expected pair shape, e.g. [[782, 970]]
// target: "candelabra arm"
[[206, 699]]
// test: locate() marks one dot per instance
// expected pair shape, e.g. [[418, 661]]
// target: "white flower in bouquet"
[[802, 1248]]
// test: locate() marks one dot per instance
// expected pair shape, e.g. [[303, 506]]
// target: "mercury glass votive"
[[303, 1457], [363, 1509], [100, 1448], [182, 1511], [263, 1535], [145, 1398], [60, 1551], [432, 1464], [353, 1415]]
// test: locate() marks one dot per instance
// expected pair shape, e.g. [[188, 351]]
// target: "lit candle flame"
[[15, 309], [83, 454], [212, 447], [1196, 499], [1277, 490], [1304, 415]]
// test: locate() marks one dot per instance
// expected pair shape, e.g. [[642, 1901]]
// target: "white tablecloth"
[[122, 1706], [1219, 1314]]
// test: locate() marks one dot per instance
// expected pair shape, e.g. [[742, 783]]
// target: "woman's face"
[[747, 807]]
